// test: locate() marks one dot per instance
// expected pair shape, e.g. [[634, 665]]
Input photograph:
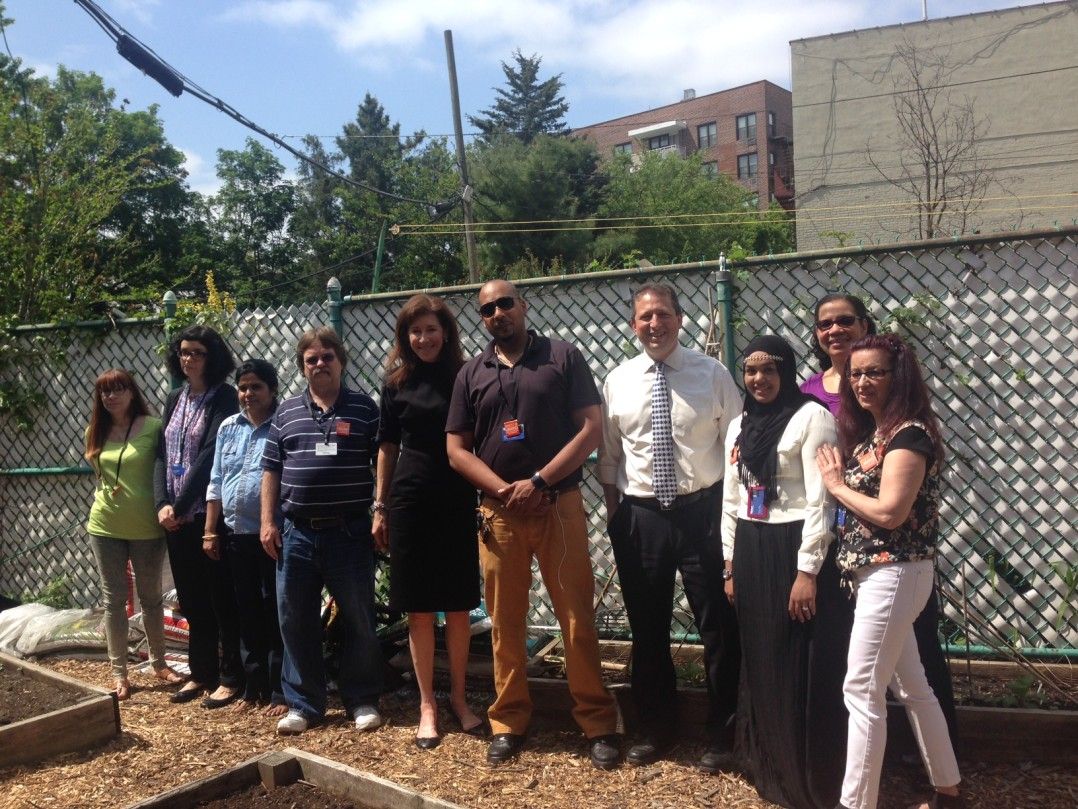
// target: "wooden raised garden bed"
[[89, 716], [282, 768]]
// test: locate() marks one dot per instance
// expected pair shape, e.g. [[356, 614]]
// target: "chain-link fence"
[[993, 321]]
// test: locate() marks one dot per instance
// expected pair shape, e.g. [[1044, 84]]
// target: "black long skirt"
[[791, 730]]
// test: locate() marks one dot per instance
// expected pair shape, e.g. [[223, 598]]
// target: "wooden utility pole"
[[466, 188]]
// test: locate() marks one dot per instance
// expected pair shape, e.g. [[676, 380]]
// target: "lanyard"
[[119, 462], [183, 416], [511, 406], [322, 417]]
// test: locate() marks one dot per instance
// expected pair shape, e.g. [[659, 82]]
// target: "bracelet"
[[211, 536], [378, 505]]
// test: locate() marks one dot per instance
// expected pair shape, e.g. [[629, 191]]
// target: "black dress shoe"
[[427, 742], [605, 751], [503, 746], [212, 702], [716, 759], [647, 750], [187, 695]]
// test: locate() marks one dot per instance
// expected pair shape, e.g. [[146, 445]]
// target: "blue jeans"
[[342, 560]]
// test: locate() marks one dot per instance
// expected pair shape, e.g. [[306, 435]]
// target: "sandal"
[[167, 674], [123, 690], [940, 800]]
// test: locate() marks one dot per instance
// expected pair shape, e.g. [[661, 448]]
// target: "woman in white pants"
[[888, 519]]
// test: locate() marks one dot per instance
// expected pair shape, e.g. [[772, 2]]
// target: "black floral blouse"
[[860, 542]]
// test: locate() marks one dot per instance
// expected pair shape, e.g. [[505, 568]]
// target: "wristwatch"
[[378, 505], [538, 482], [727, 574]]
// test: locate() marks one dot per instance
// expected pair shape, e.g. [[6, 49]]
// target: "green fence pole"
[[726, 311], [377, 280], [333, 303], [169, 302]]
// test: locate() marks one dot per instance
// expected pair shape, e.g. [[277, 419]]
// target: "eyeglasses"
[[114, 392], [845, 321], [314, 359], [192, 354], [505, 304], [873, 374]]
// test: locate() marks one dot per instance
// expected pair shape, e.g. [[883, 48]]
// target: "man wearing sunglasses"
[[524, 415], [661, 467], [317, 466]]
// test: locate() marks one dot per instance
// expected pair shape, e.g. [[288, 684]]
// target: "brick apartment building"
[[745, 132]]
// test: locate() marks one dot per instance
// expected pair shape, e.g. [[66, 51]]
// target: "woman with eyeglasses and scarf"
[[193, 415], [886, 481], [841, 320], [776, 531]]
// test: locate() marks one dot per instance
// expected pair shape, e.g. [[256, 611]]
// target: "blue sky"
[[302, 66]]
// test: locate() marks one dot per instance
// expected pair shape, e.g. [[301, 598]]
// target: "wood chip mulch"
[[163, 746]]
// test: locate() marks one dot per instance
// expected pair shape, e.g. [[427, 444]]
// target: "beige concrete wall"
[[1018, 67]]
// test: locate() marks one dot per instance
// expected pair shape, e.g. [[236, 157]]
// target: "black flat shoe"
[[187, 695], [605, 751], [427, 742], [647, 750], [503, 747], [716, 759], [211, 702]]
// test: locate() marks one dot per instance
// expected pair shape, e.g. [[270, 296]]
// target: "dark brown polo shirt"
[[542, 391]]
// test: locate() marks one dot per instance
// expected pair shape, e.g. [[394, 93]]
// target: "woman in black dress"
[[776, 531], [424, 511]]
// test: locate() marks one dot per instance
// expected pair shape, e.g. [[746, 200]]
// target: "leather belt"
[[681, 501], [323, 523]]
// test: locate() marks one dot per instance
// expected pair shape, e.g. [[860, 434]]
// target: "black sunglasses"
[[842, 320], [505, 304]]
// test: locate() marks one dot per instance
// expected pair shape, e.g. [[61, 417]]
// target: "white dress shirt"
[[703, 402], [801, 493]]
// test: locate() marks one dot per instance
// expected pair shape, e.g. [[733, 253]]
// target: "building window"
[[746, 166], [711, 168], [771, 124], [659, 142], [623, 148], [746, 126], [707, 135]]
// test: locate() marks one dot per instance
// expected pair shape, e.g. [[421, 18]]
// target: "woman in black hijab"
[[776, 532]]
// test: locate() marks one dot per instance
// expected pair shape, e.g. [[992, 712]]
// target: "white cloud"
[[137, 9], [201, 175]]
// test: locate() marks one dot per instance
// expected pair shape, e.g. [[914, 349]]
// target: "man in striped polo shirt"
[[317, 465]]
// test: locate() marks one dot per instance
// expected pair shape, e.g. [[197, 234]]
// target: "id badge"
[[343, 429], [325, 448], [840, 517], [178, 469], [512, 430], [758, 503], [868, 461]]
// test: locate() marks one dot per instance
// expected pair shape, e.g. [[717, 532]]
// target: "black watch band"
[[538, 482]]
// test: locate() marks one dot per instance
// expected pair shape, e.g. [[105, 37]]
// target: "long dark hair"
[[219, 361], [402, 360], [909, 398], [101, 419], [859, 309]]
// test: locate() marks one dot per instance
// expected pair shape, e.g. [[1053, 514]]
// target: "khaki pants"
[[559, 540]]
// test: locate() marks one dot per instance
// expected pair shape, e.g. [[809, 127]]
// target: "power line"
[[144, 58]]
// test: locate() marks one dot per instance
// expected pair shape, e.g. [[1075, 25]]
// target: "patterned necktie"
[[663, 480]]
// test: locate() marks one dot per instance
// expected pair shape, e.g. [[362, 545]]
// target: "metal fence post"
[[169, 302], [726, 311], [333, 293]]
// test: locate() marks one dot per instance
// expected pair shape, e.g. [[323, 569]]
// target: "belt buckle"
[[672, 505]]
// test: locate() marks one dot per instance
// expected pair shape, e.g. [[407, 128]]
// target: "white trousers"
[[883, 650]]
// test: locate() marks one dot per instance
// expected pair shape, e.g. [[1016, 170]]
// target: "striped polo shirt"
[[323, 485]]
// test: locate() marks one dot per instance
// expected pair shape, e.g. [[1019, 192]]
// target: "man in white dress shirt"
[[661, 464]]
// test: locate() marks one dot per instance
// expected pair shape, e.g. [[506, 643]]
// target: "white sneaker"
[[292, 723], [367, 718]]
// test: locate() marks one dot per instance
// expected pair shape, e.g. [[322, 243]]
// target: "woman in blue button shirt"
[[235, 493]]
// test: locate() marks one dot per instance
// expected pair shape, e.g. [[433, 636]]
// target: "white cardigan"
[[801, 493]]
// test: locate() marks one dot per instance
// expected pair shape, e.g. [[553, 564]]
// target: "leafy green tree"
[[527, 107], [251, 213], [526, 185], [674, 211]]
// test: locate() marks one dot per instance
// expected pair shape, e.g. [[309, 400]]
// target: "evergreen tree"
[[528, 107]]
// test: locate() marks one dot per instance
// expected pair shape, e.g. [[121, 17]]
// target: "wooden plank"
[[234, 779], [42, 674], [377, 792], [278, 769], [66, 730]]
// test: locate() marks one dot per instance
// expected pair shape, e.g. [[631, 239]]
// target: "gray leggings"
[[147, 556]]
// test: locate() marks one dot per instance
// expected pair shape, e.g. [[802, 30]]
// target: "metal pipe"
[[38, 471], [333, 303], [726, 311]]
